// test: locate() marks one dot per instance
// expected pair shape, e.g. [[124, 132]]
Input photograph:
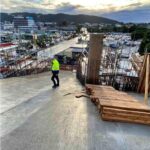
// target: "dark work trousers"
[[55, 78]]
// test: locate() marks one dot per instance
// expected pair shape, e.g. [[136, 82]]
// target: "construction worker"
[[55, 71]]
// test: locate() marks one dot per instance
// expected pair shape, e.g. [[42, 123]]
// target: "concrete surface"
[[60, 47], [139, 96], [37, 117]]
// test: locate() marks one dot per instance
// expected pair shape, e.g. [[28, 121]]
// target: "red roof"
[[2, 45]]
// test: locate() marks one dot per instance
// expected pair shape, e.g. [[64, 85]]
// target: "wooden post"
[[147, 80], [94, 58]]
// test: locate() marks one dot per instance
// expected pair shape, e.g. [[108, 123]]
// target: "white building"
[[8, 26], [30, 21]]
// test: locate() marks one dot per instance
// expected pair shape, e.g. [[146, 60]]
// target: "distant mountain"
[[58, 18]]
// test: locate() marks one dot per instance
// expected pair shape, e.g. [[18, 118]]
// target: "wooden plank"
[[123, 119], [129, 116], [116, 111], [117, 99], [124, 105], [99, 87], [147, 80], [112, 94]]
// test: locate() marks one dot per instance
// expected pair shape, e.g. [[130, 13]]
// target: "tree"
[[29, 45], [63, 23], [132, 28], [78, 29], [145, 44], [138, 33], [125, 29], [148, 47], [41, 43]]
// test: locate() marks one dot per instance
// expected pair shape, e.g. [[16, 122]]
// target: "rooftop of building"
[[6, 46], [35, 116]]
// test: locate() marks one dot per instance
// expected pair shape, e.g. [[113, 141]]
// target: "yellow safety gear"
[[55, 65]]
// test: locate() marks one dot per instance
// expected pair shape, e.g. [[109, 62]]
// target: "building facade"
[[20, 21]]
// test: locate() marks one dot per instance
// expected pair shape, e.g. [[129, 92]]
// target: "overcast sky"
[[121, 10]]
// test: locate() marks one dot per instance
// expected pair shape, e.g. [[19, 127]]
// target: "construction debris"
[[114, 105], [67, 94], [82, 95], [78, 94]]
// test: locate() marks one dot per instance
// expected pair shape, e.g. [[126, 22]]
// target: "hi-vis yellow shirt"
[[55, 65]]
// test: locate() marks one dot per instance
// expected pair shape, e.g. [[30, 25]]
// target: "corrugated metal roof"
[[3, 45]]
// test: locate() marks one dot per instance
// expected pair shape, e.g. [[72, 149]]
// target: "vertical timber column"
[[147, 78], [94, 58]]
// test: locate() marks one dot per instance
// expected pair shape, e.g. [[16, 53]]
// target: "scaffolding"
[[21, 65], [117, 68]]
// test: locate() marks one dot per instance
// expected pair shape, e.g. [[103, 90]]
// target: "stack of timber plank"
[[115, 105]]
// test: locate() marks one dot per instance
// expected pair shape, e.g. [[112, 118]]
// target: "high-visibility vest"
[[55, 65]]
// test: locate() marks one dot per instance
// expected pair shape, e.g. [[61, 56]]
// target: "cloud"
[[35, 6], [122, 10], [67, 8], [137, 15], [135, 4]]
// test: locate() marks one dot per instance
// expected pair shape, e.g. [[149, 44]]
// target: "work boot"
[[54, 86], [57, 84]]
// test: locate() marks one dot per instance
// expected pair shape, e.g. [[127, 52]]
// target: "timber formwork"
[[142, 75], [115, 105]]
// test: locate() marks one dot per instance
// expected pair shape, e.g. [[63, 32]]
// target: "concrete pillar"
[[94, 58]]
